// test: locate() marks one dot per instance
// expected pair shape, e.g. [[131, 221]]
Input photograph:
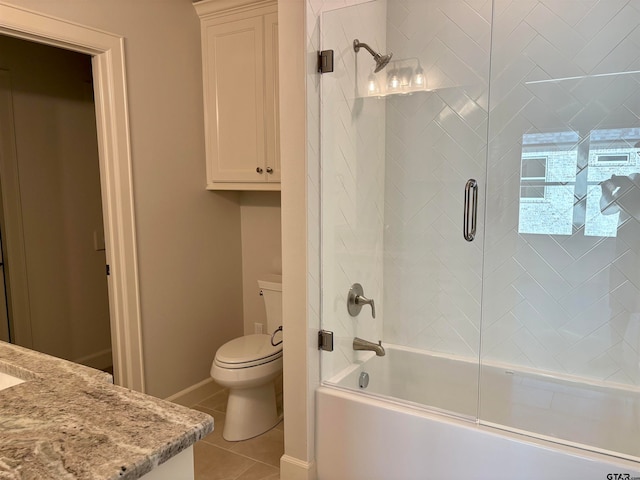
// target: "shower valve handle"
[[360, 300], [356, 299]]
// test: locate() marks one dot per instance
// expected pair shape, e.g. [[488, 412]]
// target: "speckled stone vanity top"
[[68, 422]]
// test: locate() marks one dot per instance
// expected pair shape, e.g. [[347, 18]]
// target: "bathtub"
[[361, 434]]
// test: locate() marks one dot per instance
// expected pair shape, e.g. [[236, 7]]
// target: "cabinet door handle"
[[259, 169], [269, 170], [470, 211]]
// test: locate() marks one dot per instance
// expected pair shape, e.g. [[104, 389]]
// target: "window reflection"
[[548, 175], [569, 181], [533, 177]]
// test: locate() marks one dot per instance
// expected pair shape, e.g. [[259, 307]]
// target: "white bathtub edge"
[[364, 438]]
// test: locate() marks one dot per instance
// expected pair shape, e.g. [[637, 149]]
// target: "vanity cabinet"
[[240, 75]]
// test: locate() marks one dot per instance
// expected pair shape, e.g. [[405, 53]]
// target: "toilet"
[[248, 367]]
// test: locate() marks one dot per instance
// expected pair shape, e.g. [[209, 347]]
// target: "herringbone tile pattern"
[[435, 143], [562, 303]]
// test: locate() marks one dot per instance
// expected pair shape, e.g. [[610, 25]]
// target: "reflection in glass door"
[[552, 138], [561, 303]]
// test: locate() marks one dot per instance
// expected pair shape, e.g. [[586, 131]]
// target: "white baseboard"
[[99, 360], [195, 393], [295, 469]]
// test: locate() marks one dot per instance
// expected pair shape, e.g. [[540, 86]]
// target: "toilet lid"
[[248, 351]]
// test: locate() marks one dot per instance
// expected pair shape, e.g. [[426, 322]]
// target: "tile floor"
[[254, 459]]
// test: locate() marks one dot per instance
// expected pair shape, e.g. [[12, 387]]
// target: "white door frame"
[[109, 83]]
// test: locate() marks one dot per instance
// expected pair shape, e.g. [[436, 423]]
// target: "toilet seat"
[[247, 351]]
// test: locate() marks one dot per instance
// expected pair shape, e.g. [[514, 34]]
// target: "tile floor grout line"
[[208, 408], [241, 454], [216, 445], [243, 472], [255, 459]]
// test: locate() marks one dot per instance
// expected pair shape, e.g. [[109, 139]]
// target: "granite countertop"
[[69, 422]]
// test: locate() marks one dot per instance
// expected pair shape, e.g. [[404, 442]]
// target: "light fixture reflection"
[[373, 88], [403, 77], [394, 82], [419, 80]]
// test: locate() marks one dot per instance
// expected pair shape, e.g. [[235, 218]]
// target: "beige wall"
[[188, 239], [59, 191], [261, 251]]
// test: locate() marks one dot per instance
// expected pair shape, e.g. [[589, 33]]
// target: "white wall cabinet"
[[240, 75]]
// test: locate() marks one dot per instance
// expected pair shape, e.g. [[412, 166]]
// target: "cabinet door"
[[272, 117], [234, 99]]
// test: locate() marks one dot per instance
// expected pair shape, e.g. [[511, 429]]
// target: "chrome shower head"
[[381, 60]]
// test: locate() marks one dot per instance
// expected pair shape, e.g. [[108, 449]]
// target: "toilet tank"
[[271, 289]]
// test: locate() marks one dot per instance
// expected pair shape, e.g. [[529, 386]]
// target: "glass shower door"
[[398, 149], [561, 302], [352, 187]]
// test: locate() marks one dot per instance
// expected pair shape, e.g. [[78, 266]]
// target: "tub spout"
[[360, 344]]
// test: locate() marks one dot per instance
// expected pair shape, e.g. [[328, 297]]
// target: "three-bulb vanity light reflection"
[[403, 77]]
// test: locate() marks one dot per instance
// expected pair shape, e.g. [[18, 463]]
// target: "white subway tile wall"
[[436, 141], [563, 303], [567, 303]]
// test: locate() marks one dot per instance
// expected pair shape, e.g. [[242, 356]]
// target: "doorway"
[[53, 249], [109, 80]]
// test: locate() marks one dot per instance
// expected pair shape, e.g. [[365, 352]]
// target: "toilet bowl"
[[248, 367]]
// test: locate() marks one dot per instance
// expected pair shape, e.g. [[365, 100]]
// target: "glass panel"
[[398, 147], [561, 301], [352, 185]]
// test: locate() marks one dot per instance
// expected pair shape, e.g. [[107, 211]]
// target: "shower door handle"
[[470, 210]]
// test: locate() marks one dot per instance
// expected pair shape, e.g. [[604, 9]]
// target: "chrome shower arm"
[[357, 44], [381, 60]]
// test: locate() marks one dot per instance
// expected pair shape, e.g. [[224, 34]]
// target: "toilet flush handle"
[[275, 344]]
